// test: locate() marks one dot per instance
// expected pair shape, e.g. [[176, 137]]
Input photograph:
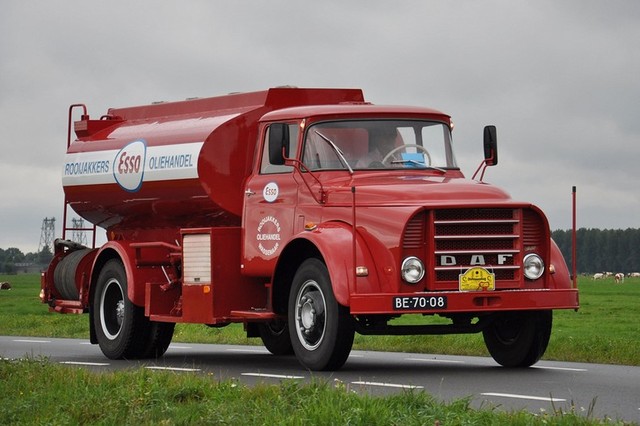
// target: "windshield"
[[379, 144]]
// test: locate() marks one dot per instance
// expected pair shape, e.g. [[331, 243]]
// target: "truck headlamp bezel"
[[412, 270], [533, 266]]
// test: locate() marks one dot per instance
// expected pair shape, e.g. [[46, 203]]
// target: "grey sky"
[[560, 80]]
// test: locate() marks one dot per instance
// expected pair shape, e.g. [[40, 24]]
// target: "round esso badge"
[[128, 165], [270, 192]]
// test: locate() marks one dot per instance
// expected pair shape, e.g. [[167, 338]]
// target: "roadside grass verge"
[[606, 328], [38, 392]]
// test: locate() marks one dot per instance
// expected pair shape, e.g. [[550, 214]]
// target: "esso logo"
[[128, 166], [270, 192], [129, 163]]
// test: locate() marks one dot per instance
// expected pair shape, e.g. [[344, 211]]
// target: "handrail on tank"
[[84, 114]]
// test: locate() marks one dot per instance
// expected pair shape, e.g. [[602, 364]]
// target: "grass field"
[[606, 328]]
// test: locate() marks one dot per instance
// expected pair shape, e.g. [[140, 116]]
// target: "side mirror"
[[490, 146], [278, 143]]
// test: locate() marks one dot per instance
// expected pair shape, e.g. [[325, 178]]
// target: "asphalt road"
[[612, 391]]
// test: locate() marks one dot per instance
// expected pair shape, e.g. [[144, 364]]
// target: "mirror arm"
[[299, 166]]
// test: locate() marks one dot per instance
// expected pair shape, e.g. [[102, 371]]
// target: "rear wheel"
[[321, 329], [518, 339], [158, 338], [275, 337], [121, 327]]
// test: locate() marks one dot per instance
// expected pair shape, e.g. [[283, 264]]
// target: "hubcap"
[[310, 315], [112, 309]]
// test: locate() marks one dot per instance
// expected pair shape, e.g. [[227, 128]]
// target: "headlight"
[[533, 266], [412, 269]]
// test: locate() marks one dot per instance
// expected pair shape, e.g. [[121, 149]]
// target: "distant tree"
[[9, 268], [14, 255], [612, 250], [45, 255]]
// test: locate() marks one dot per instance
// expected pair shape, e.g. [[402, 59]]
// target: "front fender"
[[561, 278], [334, 241]]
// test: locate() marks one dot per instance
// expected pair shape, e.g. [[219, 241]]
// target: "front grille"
[[462, 238], [414, 234]]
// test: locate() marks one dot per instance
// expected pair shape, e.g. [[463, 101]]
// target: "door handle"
[[249, 192]]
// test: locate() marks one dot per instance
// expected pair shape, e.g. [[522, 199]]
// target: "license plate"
[[477, 279], [410, 303]]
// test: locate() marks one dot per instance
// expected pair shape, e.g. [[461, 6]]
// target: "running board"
[[255, 315]]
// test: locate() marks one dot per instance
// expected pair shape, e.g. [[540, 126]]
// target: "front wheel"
[[321, 329], [518, 339]]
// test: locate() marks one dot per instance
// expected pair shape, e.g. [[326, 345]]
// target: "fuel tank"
[[177, 164]]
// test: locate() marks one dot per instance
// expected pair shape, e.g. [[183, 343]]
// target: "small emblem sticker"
[[477, 279], [268, 235], [270, 192]]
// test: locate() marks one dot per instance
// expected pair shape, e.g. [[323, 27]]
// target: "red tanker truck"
[[307, 215]]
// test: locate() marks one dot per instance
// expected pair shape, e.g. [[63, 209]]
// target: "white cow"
[[598, 276], [619, 277]]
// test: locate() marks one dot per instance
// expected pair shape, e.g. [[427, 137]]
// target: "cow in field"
[[5, 286], [619, 277], [598, 276]]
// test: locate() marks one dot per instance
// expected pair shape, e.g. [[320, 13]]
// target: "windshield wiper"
[[336, 149]]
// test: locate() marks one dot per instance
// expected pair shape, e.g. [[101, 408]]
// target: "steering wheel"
[[409, 145]]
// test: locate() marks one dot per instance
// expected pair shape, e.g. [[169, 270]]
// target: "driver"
[[381, 142]]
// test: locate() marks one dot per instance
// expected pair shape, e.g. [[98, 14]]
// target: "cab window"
[[265, 166]]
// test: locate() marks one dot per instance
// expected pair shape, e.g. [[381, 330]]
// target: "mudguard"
[[334, 241], [561, 278], [136, 277]]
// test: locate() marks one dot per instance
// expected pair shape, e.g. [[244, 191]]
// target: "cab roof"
[[355, 110]]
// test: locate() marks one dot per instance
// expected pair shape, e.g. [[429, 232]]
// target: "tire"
[[121, 328], [275, 337], [158, 338], [518, 339], [321, 330]]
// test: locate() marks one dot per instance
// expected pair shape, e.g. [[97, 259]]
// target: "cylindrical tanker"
[[177, 164]]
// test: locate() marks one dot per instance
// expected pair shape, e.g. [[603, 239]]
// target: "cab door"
[[271, 196]]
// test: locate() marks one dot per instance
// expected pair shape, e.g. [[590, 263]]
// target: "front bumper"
[[463, 302]]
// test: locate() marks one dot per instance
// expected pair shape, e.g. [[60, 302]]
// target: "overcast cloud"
[[560, 80]]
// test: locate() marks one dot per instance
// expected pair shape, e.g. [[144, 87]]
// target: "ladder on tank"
[[65, 227]]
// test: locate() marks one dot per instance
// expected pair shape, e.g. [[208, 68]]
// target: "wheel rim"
[[112, 309], [310, 315]]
